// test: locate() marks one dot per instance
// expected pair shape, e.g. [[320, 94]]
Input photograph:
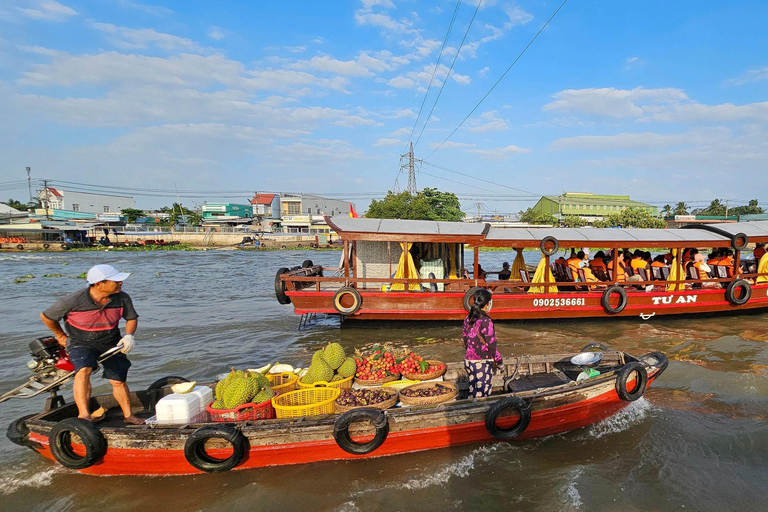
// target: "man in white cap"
[[92, 316]]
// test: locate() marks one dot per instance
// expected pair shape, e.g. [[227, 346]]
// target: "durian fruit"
[[263, 395], [182, 388], [318, 371], [336, 377], [218, 404], [334, 355], [347, 368], [237, 393], [280, 368], [317, 356], [224, 383], [252, 385]]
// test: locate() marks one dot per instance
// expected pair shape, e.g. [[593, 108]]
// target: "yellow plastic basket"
[[400, 384], [306, 402], [339, 384], [282, 382]]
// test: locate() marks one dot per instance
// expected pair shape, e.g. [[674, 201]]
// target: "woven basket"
[[282, 382], [372, 383], [399, 384], [386, 404], [245, 412], [427, 376], [427, 400], [338, 384], [306, 402]]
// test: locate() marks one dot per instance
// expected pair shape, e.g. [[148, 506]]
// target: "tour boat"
[[378, 277], [532, 396]]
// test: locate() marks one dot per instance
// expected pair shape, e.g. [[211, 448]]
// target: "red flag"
[[352, 212]]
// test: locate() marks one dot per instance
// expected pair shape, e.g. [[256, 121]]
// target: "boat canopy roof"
[[482, 234]]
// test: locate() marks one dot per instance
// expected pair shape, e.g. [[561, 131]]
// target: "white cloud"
[[405, 112], [451, 144], [517, 16], [216, 33], [401, 82], [48, 10], [697, 112], [401, 131], [388, 142], [131, 38], [753, 75], [419, 80], [331, 65], [611, 102], [295, 49], [632, 59], [384, 4], [487, 122], [149, 9], [643, 141], [500, 153]]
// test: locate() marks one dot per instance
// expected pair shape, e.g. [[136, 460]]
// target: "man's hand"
[[127, 343], [62, 339]]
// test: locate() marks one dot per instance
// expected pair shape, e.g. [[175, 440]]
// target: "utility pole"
[[410, 164], [726, 209], [47, 199], [479, 206], [29, 182]]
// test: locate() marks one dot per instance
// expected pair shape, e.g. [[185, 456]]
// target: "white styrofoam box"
[[178, 408], [205, 393], [201, 417]]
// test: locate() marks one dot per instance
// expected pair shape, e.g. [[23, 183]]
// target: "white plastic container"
[[176, 408], [205, 393]]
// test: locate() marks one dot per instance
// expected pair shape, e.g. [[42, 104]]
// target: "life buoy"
[[606, 300], [641, 381], [590, 347], [307, 264], [510, 402], [46, 246], [549, 240], [469, 296], [18, 432], [344, 440], [739, 241], [60, 443], [735, 298], [194, 448], [657, 359], [342, 297], [282, 298]]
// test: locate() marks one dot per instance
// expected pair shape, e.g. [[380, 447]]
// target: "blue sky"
[[663, 101]]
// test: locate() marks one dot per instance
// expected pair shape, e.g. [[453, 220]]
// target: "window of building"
[[294, 209], [75, 207], [106, 209]]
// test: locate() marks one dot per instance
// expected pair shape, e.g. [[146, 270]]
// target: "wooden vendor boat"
[[378, 279], [533, 396]]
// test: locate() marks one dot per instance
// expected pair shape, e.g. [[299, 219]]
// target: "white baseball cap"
[[101, 273]]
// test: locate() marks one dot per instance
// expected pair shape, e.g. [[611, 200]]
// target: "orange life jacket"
[[573, 263], [658, 264], [597, 263], [620, 275], [639, 263]]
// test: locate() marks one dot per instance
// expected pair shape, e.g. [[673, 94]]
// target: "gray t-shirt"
[[87, 323]]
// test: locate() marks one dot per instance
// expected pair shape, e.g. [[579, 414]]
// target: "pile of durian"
[[329, 364], [242, 387]]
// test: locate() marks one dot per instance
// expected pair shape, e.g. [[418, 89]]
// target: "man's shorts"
[[114, 368]]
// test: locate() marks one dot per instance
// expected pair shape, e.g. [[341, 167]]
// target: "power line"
[[437, 65], [480, 179], [500, 78], [449, 71]]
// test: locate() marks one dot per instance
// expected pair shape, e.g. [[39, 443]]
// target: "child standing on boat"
[[482, 356]]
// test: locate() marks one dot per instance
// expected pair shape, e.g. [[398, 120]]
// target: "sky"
[[662, 101]]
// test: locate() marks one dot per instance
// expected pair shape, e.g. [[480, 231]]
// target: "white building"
[[58, 199], [305, 213]]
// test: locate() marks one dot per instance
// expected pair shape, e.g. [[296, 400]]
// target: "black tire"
[[739, 241], [589, 347], [60, 443], [344, 440], [166, 381], [282, 247], [543, 245], [732, 289], [660, 359], [357, 300], [307, 264], [18, 432], [507, 434], [282, 298], [606, 300], [20, 247], [194, 448], [468, 296], [46, 246], [65, 246], [622, 377]]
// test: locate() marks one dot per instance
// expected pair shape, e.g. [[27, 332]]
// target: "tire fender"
[[641, 381], [344, 440], [468, 296], [282, 298], [606, 300], [46, 246], [20, 247], [18, 432], [307, 264], [590, 347], [340, 294], [656, 359], [509, 402], [731, 292], [549, 240], [739, 241], [154, 389], [194, 448], [60, 443]]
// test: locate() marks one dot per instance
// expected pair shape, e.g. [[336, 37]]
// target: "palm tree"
[[681, 208], [666, 211]]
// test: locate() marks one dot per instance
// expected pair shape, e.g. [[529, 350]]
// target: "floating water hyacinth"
[[54, 275]]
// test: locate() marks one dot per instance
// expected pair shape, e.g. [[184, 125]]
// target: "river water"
[[697, 440]]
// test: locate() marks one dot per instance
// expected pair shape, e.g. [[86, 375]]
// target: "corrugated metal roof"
[[756, 229], [630, 236], [407, 227]]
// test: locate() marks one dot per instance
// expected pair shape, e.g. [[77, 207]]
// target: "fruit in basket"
[[334, 355], [318, 371], [237, 393], [362, 397], [224, 383], [263, 395], [183, 388], [435, 390], [317, 356], [379, 365], [280, 368], [347, 368], [218, 404]]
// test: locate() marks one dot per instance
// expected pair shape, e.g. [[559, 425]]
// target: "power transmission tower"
[[47, 200], [29, 182], [410, 165], [479, 205]]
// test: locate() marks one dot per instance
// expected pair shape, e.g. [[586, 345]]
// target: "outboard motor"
[[48, 355]]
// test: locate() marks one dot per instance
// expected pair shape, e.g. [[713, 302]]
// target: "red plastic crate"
[[245, 412]]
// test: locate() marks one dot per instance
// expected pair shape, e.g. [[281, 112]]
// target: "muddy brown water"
[[697, 440]]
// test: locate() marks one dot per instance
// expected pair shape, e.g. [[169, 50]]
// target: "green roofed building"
[[588, 206]]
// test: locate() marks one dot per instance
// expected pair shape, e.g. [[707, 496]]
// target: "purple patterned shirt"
[[473, 340]]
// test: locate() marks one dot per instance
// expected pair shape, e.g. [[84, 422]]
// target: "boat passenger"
[[599, 261], [727, 261], [617, 266], [575, 262], [505, 272], [482, 357], [92, 316], [704, 270], [638, 260], [668, 258], [659, 261], [758, 252]]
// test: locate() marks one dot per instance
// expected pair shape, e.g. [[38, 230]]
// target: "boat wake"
[[22, 477], [628, 417], [568, 493]]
